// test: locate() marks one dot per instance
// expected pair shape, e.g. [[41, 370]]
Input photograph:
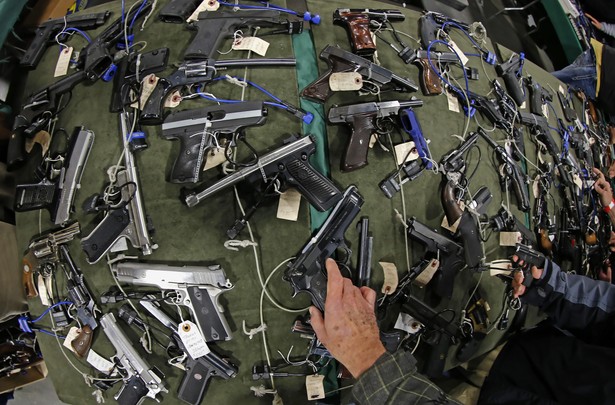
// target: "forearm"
[[393, 380], [572, 301], [608, 29]]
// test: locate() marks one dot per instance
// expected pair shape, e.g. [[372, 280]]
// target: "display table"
[[197, 235]]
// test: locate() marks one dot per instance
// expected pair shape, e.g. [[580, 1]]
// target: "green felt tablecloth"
[[196, 235]]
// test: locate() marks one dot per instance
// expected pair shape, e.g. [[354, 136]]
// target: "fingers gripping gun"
[[57, 194], [339, 60], [357, 21], [362, 120], [126, 220], [198, 130], [290, 164], [510, 173], [307, 272], [141, 380], [198, 371], [453, 166], [196, 287]]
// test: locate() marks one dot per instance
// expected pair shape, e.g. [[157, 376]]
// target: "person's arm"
[[608, 29], [349, 331], [603, 188], [572, 301]]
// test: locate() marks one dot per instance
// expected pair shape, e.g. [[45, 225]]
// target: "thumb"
[[369, 295], [318, 323]]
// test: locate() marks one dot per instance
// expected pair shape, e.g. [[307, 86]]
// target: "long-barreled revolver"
[[47, 33], [56, 191], [40, 107], [306, 273], [140, 379], [78, 292], [201, 129], [125, 220], [195, 287], [195, 72], [198, 371], [357, 22], [362, 119], [290, 164], [341, 61], [215, 26]]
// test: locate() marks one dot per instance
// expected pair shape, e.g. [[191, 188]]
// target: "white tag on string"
[[577, 181], [407, 323], [288, 206], [426, 275], [372, 140], [314, 385], [214, 157], [562, 90], [345, 81], [100, 363], [173, 99], [63, 61], [510, 238], [453, 103], [206, 5], [42, 291], [192, 339], [462, 56], [72, 334], [406, 150], [147, 86], [391, 278], [254, 44], [522, 107], [450, 227], [545, 110], [536, 187]]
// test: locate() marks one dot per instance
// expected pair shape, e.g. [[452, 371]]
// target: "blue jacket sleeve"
[[572, 301]]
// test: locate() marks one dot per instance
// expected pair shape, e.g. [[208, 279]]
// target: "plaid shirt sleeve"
[[393, 379]]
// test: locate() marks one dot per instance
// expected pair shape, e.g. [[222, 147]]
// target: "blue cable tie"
[[109, 73]]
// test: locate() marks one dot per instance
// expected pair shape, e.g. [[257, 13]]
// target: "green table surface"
[[196, 235]]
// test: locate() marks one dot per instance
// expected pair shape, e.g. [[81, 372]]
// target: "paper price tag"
[[253, 44], [391, 278], [536, 187], [450, 227], [453, 103], [406, 150], [192, 339], [407, 323], [545, 110], [43, 138], [315, 387], [42, 291], [510, 238], [72, 334], [426, 275], [147, 86], [215, 157], [462, 56], [63, 62], [561, 89], [577, 181], [173, 99], [523, 107], [372, 140], [345, 81], [207, 5], [288, 206], [100, 363]]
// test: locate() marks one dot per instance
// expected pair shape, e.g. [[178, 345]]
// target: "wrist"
[[608, 207], [365, 359]]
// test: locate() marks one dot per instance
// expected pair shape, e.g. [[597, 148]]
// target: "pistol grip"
[[82, 343], [209, 35], [28, 277], [513, 87], [152, 110], [360, 36], [434, 366], [30, 197], [319, 89], [98, 242], [187, 165], [355, 155], [316, 188], [132, 392], [452, 211], [16, 154], [194, 383], [206, 313], [431, 84]]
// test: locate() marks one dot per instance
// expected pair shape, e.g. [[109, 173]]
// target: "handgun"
[[510, 71], [177, 11], [357, 21]]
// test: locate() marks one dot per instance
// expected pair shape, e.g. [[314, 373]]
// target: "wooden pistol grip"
[[592, 111], [430, 82], [452, 211], [545, 242], [28, 278], [82, 343], [360, 36], [355, 156]]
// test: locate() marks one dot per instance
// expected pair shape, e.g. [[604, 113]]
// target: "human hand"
[[517, 282], [605, 274], [612, 242], [611, 171], [603, 188], [594, 22], [348, 329]]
